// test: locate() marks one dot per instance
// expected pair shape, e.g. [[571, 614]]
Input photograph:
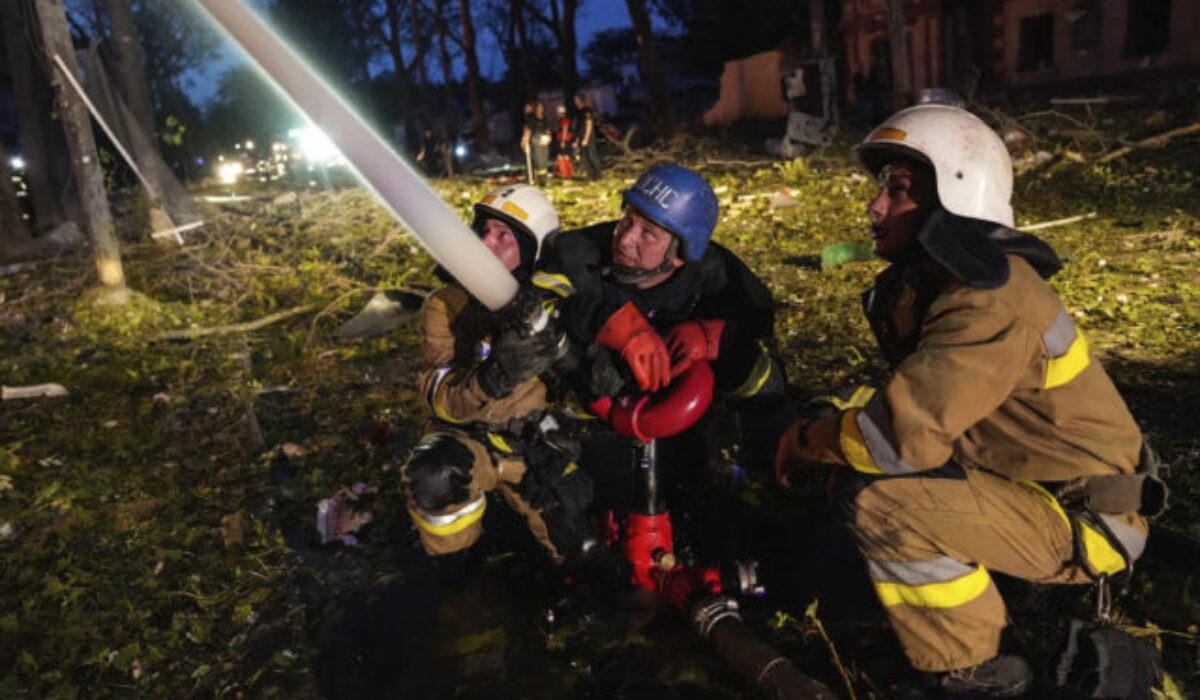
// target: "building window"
[[1084, 19], [1149, 28], [1036, 48]]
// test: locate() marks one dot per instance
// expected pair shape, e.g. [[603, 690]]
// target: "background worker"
[[586, 133], [995, 419], [535, 138], [564, 140], [488, 430]]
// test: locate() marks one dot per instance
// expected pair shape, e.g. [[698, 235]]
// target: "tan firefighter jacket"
[[454, 340], [1000, 379]]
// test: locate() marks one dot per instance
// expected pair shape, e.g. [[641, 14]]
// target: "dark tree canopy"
[[715, 31], [608, 50]]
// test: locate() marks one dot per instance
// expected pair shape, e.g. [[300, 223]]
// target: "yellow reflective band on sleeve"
[[854, 447], [559, 284], [943, 594], [570, 468], [499, 443], [1060, 370], [439, 410], [759, 375], [452, 525]]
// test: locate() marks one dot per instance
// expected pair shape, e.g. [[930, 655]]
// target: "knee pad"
[[438, 472]]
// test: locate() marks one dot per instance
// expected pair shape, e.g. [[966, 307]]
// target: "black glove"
[[438, 473], [517, 357]]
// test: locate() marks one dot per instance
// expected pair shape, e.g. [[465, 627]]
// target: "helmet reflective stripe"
[[971, 165], [524, 207], [679, 200]]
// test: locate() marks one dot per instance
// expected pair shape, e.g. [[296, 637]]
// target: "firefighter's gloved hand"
[[516, 358], [438, 473], [629, 333], [693, 340], [529, 311]]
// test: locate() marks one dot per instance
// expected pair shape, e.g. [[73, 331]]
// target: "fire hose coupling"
[[709, 611]]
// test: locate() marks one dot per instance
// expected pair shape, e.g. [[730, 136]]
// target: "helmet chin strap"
[[633, 275]]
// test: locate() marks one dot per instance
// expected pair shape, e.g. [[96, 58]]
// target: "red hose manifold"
[[666, 413]]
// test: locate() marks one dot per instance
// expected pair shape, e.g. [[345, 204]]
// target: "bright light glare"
[[17, 163], [316, 146], [460, 150], [249, 145], [229, 172]]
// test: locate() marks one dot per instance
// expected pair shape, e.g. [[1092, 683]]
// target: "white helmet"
[[971, 165], [523, 207]]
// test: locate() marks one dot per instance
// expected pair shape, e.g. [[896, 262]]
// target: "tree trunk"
[[664, 111], [521, 44], [483, 139], [131, 73], [82, 146], [34, 103], [404, 88], [450, 116], [422, 43], [568, 46], [15, 242], [902, 84]]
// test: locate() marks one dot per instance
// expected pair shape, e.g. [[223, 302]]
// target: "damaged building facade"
[[1019, 43]]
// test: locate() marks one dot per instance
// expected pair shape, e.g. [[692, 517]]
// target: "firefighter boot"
[[999, 677]]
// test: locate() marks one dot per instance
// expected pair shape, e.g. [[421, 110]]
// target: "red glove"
[[628, 332], [693, 340]]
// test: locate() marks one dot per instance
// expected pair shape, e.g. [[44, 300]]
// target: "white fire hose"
[[403, 191]]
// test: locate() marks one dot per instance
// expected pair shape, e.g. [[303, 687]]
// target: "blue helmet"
[[679, 200]]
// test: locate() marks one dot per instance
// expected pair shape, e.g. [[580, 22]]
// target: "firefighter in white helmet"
[[483, 387], [995, 424]]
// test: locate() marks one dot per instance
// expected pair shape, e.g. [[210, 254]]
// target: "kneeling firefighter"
[[998, 442], [650, 300], [492, 425]]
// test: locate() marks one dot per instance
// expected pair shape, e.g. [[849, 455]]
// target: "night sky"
[[594, 16]]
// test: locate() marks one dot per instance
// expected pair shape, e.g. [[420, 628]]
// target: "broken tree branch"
[[1057, 222], [1153, 142], [189, 333]]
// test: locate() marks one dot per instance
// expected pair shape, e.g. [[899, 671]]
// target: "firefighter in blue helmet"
[[647, 295], [652, 288]]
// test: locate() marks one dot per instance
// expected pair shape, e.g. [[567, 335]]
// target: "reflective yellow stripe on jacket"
[[448, 524]]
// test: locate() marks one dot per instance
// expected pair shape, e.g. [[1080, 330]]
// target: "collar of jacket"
[[973, 250]]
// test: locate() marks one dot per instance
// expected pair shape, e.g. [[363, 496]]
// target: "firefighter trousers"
[[458, 526], [930, 541]]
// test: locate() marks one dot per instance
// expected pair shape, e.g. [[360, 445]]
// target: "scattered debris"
[[383, 313], [1057, 222], [233, 529], [337, 516], [189, 333], [33, 391]]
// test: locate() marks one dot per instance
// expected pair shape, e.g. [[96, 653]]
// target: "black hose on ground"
[[717, 619]]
